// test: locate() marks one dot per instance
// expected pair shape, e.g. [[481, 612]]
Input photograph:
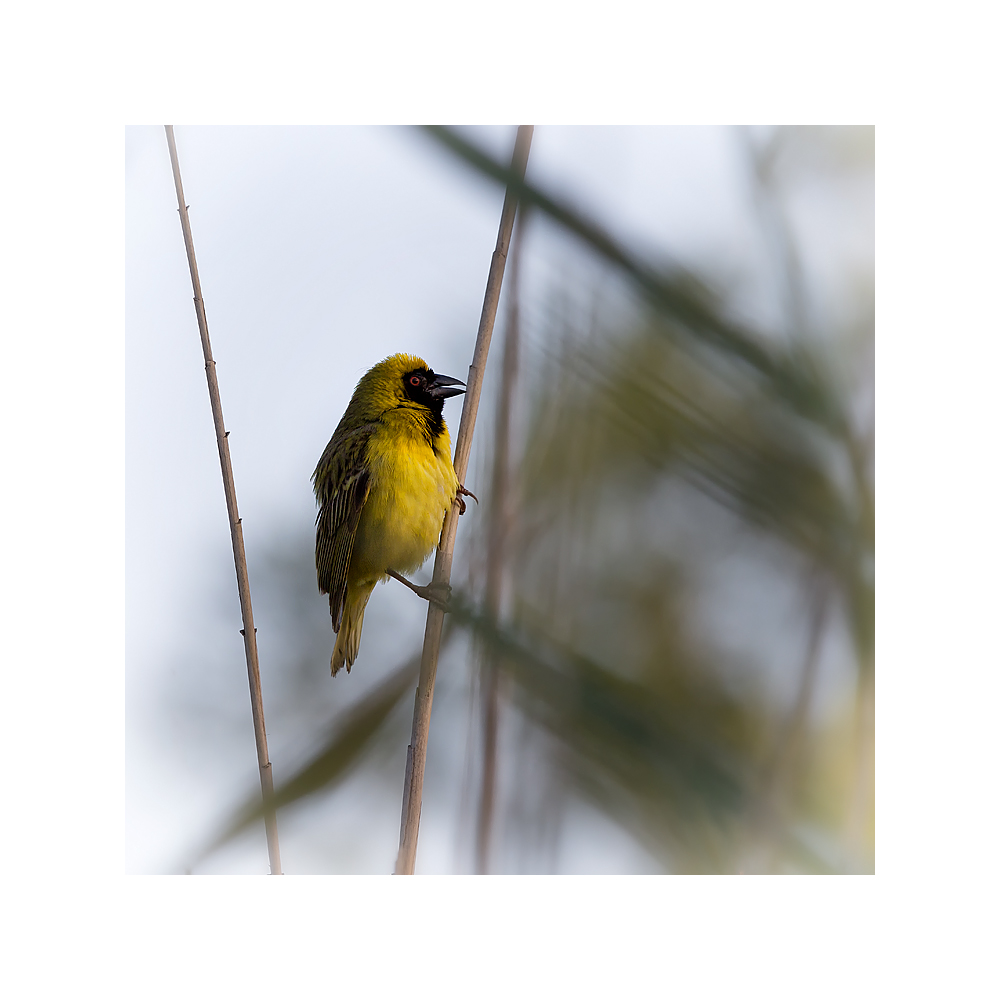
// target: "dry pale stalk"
[[859, 809], [499, 519], [768, 813], [235, 525], [416, 753]]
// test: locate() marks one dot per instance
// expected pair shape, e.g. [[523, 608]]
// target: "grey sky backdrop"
[[321, 250]]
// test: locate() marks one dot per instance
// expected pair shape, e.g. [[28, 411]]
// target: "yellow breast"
[[413, 484]]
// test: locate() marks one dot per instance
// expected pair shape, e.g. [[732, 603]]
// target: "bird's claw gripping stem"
[[463, 492], [435, 593]]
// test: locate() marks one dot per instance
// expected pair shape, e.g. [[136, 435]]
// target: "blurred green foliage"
[[661, 440]]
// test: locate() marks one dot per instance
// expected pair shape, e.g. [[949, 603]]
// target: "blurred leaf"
[[670, 762], [651, 728], [620, 413], [678, 294], [343, 749]]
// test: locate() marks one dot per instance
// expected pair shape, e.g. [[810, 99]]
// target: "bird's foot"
[[463, 492], [436, 593]]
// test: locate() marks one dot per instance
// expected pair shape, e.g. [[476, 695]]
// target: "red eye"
[[414, 380]]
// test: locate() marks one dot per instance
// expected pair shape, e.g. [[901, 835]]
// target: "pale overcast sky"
[[321, 250]]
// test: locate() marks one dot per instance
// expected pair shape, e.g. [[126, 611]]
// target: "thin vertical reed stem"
[[413, 785], [235, 525], [864, 738], [767, 815], [499, 519]]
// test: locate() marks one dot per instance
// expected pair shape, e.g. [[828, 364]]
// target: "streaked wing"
[[341, 484]]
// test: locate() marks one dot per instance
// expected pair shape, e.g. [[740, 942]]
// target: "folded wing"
[[341, 483]]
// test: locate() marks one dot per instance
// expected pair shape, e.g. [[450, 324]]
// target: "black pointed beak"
[[444, 386]]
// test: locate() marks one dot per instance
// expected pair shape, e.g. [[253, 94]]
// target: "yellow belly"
[[412, 487]]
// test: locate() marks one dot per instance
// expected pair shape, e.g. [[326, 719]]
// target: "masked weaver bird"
[[383, 485]]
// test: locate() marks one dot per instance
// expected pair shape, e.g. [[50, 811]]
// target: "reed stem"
[[235, 525], [413, 785]]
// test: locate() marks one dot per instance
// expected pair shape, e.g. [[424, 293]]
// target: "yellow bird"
[[383, 485]]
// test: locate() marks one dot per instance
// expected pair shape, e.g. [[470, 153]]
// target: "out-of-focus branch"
[[854, 574], [768, 814], [499, 517], [763, 158], [859, 808]]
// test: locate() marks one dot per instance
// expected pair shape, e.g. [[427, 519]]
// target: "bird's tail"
[[345, 652]]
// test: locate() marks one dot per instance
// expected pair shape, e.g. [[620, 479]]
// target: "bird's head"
[[405, 379]]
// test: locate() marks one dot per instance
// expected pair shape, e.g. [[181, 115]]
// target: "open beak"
[[444, 386]]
